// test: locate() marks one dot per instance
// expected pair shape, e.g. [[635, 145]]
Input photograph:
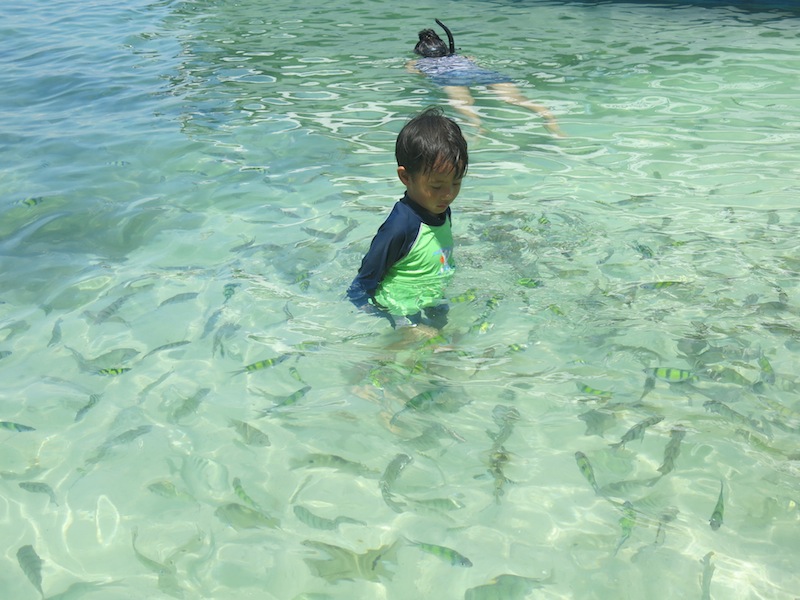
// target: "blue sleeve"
[[392, 242]]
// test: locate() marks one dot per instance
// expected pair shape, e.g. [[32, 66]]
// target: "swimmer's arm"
[[411, 66]]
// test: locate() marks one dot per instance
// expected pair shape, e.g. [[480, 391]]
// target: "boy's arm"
[[388, 246]]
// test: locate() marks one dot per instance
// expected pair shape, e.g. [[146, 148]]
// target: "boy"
[[409, 262]]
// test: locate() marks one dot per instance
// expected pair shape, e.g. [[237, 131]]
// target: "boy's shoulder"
[[401, 217]]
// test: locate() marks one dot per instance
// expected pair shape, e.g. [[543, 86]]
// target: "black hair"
[[430, 45], [431, 140]]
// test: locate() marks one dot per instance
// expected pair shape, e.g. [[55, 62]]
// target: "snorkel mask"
[[430, 45]]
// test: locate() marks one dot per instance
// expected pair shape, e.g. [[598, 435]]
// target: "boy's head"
[[430, 45], [430, 141], [432, 159]]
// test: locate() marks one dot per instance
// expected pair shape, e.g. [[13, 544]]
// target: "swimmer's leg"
[[461, 99], [511, 94]]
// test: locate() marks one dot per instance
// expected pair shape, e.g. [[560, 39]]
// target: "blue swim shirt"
[[455, 70]]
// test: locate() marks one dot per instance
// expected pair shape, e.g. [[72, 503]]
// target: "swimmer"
[[456, 73]]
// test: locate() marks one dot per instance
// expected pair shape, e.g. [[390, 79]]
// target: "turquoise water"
[[188, 188]]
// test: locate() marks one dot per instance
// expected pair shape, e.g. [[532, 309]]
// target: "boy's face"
[[434, 191]]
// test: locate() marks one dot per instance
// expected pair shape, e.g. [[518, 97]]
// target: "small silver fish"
[[240, 517], [125, 437], [167, 489], [252, 436], [19, 427], [39, 487], [108, 312], [719, 509], [238, 488], [55, 337], [672, 450], [167, 573], [211, 322], [150, 386], [705, 581], [31, 565], [226, 332], [189, 405], [637, 431], [317, 522], [627, 522], [506, 587], [390, 475], [167, 346], [447, 554], [93, 399], [179, 298], [332, 461]]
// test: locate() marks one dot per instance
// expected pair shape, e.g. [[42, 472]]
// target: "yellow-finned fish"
[[672, 375], [719, 509], [263, 364], [590, 391], [113, 371], [586, 469], [469, 296]]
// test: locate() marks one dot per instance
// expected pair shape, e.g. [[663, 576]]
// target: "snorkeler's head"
[[430, 45]]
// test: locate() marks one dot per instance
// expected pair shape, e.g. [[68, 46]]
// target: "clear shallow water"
[[212, 174]]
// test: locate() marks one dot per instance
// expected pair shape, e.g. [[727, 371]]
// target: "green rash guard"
[[409, 263]]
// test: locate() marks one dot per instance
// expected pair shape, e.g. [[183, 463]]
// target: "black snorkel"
[[449, 37]]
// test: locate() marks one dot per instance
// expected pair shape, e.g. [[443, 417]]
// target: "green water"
[[189, 187]]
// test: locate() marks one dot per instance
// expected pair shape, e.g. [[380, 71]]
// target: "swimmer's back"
[[456, 70]]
